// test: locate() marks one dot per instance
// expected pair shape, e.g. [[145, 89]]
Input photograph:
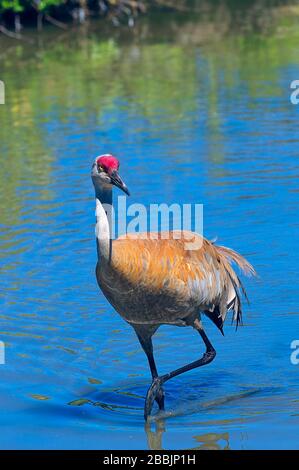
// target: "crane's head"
[[104, 173]]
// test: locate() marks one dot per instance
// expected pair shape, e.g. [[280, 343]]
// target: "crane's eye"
[[100, 168]]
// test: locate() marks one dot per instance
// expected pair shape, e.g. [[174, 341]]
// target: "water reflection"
[[208, 441], [203, 117]]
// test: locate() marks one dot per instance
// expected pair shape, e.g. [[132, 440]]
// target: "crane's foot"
[[155, 392]]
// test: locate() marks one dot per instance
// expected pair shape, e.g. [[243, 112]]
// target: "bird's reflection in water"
[[209, 441], [213, 441], [154, 432]]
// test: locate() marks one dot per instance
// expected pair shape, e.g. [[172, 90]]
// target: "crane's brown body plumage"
[[163, 278], [153, 280]]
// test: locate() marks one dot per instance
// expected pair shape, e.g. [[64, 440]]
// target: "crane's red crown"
[[107, 162]]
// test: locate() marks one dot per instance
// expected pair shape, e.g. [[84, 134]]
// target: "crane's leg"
[[158, 381], [144, 334]]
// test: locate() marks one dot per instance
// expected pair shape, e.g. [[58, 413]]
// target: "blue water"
[[198, 123]]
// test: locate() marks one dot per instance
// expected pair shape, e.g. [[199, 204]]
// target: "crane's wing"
[[187, 265]]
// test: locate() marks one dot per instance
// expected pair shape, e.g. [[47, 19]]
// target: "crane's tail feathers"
[[240, 261], [216, 317], [236, 302], [231, 256]]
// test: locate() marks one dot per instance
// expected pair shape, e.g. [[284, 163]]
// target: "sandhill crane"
[[151, 281]]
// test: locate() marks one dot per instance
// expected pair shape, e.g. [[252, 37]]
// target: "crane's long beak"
[[117, 181]]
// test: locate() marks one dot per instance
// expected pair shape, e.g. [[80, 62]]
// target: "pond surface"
[[195, 114]]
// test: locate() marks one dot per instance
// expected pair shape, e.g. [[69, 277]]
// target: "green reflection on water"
[[91, 78]]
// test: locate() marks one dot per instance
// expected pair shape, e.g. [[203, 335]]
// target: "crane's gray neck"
[[104, 222], [104, 194]]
